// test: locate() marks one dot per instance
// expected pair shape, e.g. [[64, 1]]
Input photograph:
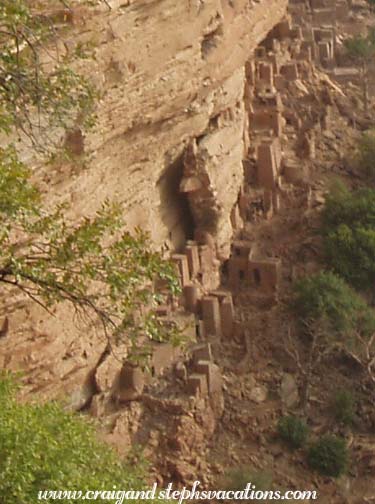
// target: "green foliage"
[[360, 48], [237, 478], [344, 407], [95, 266], [293, 431], [361, 51], [36, 97], [45, 448], [349, 235], [327, 298], [329, 456], [366, 154], [17, 194]]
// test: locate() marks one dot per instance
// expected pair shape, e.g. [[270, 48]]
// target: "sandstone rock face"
[[171, 72], [216, 161], [56, 355]]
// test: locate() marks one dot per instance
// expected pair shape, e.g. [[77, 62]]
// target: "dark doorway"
[[256, 276]]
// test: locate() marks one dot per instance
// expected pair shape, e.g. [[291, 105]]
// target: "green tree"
[[45, 448], [333, 318], [361, 50], [39, 91], [348, 228], [326, 298], [93, 264]]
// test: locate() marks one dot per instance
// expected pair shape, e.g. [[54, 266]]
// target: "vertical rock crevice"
[[174, 207]]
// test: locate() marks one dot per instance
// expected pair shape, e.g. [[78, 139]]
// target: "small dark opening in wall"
[[224, 267], [197, 330], [214, 121], [256, 276], [241, 275], [174, 205], [211, 41], [224, 271], [153, 371], [199, 138]]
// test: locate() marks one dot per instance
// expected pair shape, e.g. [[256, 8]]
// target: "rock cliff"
[[170, 72], [172, 113]]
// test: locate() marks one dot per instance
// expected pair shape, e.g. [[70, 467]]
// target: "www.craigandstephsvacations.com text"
[[194, 493]]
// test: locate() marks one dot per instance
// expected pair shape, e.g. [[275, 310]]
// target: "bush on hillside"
[[293, 431], [329, 456], [344, 406], [366, 154], [236, 479]]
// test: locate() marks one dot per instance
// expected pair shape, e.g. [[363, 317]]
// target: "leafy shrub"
[[344, 407], [325, 296], [360, 48], [237, 478], [45, 448], [366, 154], [348, 229], [329, 456], [293, 431]]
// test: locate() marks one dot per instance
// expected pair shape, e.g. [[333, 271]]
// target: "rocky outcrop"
[[170, 72], [214, 163]]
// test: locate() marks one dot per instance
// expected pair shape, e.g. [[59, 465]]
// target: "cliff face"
[[171, 72], [171, 135]]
